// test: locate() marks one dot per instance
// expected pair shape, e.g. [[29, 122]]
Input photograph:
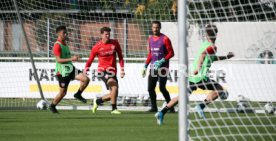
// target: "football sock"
[[99, 101], [165, 110], [204, 104], [52, 105], [114, 106], [78, 92]]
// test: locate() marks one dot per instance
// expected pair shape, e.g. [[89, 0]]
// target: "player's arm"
[[120, 55], [228, 56], [91, 58], [200, 61], [121, 59], [57, 53], [169, 48], [148, 58], [211, 50], [143, 71]]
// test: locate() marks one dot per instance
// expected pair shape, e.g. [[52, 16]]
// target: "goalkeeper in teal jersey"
[[199, 78]]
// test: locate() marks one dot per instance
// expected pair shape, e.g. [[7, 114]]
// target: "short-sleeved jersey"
[[210, 49], [159, 47], [106, 53], [62, 50]]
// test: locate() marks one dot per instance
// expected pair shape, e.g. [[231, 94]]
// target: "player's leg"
[[98, 101], [63, 85], [213, 95], [164, 91], [59, 96], [160, 115], [106, 97], [57, 99], [113, 84], [152, 81], [170, 105], [84, 81]]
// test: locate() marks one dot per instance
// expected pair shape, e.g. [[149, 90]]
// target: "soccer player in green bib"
[[65, 70], [199, 78]]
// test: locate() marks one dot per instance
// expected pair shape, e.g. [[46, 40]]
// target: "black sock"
[[165, 110], [204, 104], [78, 92], [52, 105], [99, 101], [114, 106]]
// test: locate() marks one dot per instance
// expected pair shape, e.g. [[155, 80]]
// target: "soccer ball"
[[269, 109], [42, 105], [223, 95], [241, 107]]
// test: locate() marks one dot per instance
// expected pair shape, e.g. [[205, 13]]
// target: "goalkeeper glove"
[[144, 71], [158, 64]]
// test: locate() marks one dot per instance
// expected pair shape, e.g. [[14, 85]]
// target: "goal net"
[[130, 23], [246, 27]]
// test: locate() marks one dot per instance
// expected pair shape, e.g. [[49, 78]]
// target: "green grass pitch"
[[85, 126], [35, 125]]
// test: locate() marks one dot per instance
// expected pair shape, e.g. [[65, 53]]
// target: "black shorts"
[[105, 76], [64, 81], [205, 85]]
